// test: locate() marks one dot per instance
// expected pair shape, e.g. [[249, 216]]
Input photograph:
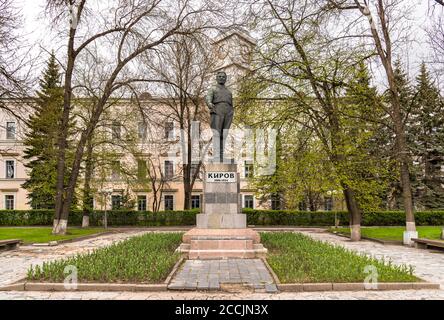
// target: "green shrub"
[[188, 218]]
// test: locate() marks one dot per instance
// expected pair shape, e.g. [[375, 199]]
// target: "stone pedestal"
[[221, 229]]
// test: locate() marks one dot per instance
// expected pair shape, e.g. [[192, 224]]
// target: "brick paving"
[[218, 295], [211, 274], [428, 265]]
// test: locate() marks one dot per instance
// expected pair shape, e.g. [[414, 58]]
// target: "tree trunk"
[[404, 164], [355, 214], [88, 202], [186, 187], [61, 220], [384, 49]]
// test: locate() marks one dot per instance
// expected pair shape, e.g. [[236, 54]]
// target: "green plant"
[[188, 218], [298, 258], [144, 259]]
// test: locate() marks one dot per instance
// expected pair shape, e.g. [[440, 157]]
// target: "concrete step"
[[225, 244], [222, 254]]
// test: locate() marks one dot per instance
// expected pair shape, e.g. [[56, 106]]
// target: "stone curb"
[[271, 271], [31, 286], [174, 271], [310, 287], [284, 287]]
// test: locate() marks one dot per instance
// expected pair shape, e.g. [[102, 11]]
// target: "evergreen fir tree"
[[406, 97], [426, 138], [41, 139]]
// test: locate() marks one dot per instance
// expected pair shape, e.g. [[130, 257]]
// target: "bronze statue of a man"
[[220, 102]]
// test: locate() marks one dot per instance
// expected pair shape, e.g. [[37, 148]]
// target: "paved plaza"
[[428, 264], [212, 274]]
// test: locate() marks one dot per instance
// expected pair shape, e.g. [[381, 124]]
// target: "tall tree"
[[406, 98], [299, 70], [137, 28], [381, 33], [426, 136], [183, 82], [41, 139], [15, 63]]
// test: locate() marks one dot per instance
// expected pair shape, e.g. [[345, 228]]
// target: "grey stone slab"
[[271, 288], [208, 274]]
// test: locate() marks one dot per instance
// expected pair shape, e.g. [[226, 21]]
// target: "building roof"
[[240, 33]]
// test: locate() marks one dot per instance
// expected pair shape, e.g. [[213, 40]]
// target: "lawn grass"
[[394, 233], [39, 235], [144, 259], [296, 258]]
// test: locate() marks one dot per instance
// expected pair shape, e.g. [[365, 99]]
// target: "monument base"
[[222, 244], [221, 221]]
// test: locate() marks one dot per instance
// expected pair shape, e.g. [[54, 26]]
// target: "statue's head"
[[221, 77]]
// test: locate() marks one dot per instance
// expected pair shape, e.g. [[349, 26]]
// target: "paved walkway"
[[14, 264], [212, 274], [428, 265], [241, 295]]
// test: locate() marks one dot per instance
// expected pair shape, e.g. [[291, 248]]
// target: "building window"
[[248, 201], [141, 170], [169, 130], [195, 202], [328, 204], [116, 130], [116, 202], [115, 170], [142, 131], [9, 202], [10, 169], [169, 169], [248, 169], [275, 202], [10, 130], [168, 201], [141, 203]]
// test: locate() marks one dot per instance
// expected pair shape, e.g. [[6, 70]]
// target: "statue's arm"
[[209, 100]]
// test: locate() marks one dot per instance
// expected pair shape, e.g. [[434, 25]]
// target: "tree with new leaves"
[[183, 82], [368, 166], [125, 33], [380, 16], [307, 64], [41, 139]]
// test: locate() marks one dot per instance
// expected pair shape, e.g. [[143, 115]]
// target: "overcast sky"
[[37, 31]]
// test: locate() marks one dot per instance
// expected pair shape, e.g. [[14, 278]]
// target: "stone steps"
[[222, 249], [222, 254], [225, 244]]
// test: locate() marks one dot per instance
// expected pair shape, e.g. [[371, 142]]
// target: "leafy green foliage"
[[188, 218], [298, 258], [144, 259]]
